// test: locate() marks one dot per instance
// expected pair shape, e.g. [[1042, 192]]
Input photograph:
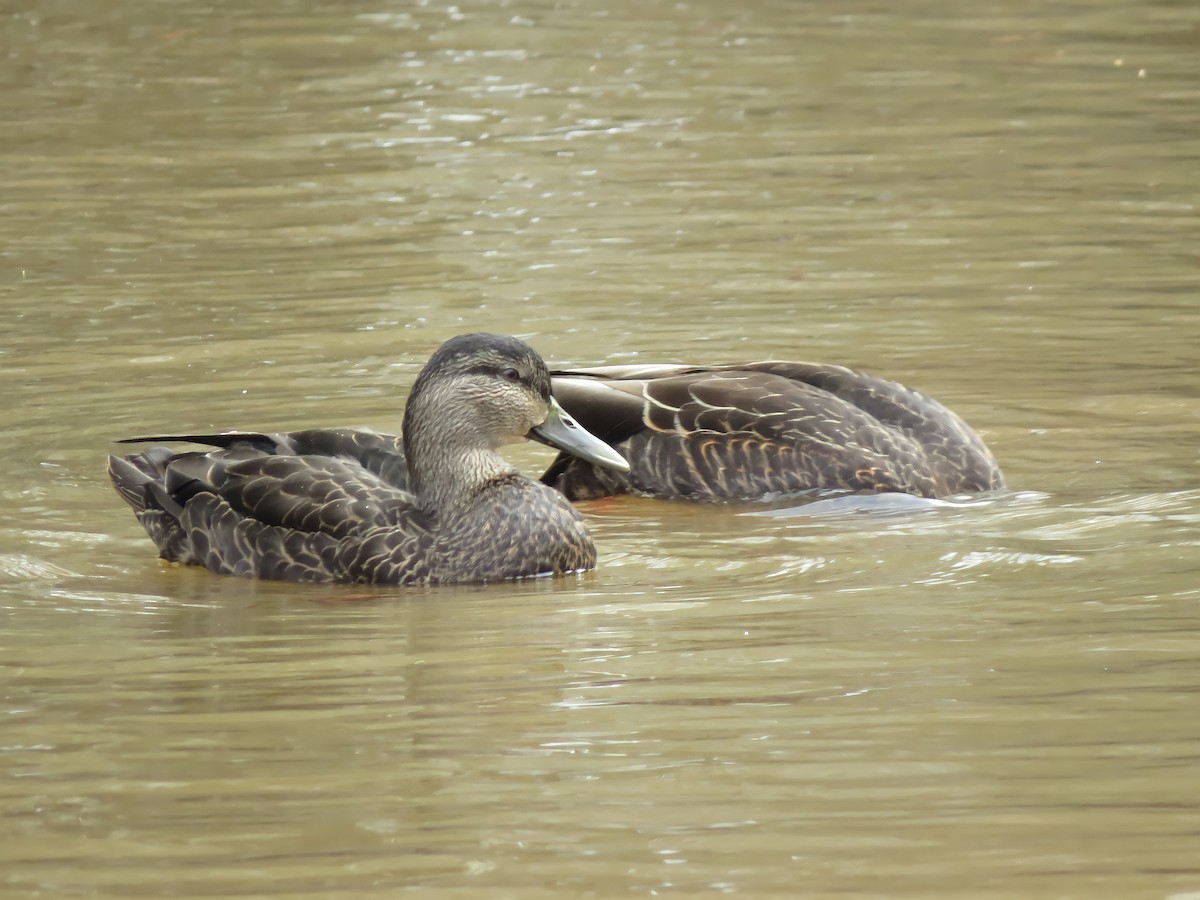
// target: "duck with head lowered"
[[356, 506], [762, 430]]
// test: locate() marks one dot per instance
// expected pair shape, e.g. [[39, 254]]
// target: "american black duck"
[[356, 506], [750, 431]]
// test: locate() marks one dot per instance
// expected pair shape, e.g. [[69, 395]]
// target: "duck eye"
[[510, 374]]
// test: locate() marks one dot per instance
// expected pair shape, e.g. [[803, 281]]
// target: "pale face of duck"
[[509, 397], [502, 398], [477, 393]]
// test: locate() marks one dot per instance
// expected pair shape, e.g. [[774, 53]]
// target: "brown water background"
[[266, 215]]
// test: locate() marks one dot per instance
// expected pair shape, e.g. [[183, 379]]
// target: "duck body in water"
[[355, 506], [761, 430]]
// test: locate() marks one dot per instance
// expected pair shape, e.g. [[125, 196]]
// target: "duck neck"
[[448, 463]]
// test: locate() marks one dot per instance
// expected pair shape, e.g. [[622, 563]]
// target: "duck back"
[[758, 430]]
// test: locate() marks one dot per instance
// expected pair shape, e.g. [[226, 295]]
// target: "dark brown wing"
[[378, 453], [751, 430], [253, 508], [225, 541]]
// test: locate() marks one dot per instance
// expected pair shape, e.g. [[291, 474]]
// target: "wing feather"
[[281, 506], [749, 430]]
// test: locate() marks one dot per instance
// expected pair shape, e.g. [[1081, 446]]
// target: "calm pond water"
[[266, 215]]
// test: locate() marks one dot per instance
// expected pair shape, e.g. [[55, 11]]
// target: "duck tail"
[[140, 480]]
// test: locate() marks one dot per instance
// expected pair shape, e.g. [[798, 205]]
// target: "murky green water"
[[266, 215]]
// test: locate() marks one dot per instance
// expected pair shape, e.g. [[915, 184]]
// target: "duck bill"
[[564, 433]]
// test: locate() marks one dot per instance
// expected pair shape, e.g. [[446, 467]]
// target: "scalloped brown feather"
[[752, 430]]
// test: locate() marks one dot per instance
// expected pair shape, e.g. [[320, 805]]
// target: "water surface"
[[266, 216]]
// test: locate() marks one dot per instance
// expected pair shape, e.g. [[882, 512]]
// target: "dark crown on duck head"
[[486, 354]]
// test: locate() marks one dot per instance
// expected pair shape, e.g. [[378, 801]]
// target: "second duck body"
[[758, 430]]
